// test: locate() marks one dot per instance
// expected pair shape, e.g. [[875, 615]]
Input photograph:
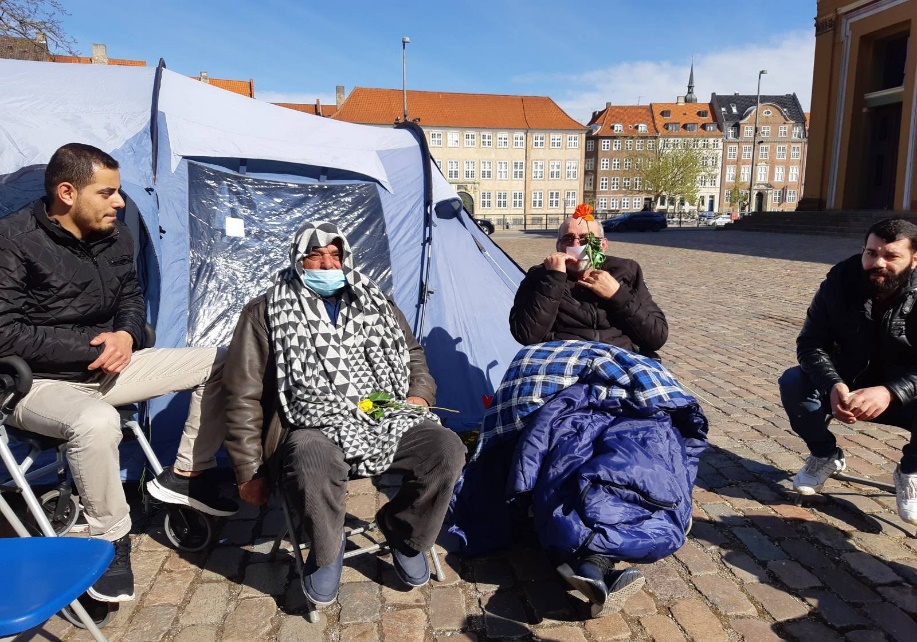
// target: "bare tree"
[[671, 173], [38, 21]]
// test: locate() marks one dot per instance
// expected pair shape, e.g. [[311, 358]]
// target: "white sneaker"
[[816, 472], [906, 494]]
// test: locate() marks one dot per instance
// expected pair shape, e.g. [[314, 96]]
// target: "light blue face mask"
[[324, 282]]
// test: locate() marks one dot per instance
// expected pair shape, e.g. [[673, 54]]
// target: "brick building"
[[513, 159]]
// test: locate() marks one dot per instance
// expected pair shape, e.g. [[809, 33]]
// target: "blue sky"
[[582, 54]]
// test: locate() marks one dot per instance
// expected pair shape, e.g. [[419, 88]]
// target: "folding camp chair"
[[291, 531]]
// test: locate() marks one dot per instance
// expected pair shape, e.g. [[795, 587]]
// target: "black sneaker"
[[621, 586], [117, 583], [196, 492]]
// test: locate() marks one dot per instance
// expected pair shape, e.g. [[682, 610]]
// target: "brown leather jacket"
[[255, 427]]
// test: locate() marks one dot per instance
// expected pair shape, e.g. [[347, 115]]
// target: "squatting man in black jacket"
[[564, 299], [857, 355], [71, 307]]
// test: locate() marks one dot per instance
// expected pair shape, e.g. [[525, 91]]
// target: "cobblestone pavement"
[[757, 566]]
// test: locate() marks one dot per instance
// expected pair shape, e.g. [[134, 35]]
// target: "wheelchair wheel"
[[188, 529], [99, 611], [61, 524]]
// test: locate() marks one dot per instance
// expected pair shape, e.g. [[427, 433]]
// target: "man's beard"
[[892, 283]]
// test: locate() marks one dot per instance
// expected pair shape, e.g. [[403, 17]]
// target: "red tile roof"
[[84, 60], [684, 114], [628, 116], [444, 109], [242, 87], [316, 109]]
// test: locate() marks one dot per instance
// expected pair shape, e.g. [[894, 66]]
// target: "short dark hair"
[[894, 229], [75, 163]]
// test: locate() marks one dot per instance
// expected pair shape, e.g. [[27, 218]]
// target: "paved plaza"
[[758, 564]]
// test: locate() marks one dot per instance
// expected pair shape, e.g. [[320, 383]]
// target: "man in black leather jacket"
[[857, 356], [72, 309]]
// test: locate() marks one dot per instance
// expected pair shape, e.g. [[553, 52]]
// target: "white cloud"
[[788, 58], [293, 97]]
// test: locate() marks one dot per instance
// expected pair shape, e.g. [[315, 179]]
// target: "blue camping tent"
[[217, 183]]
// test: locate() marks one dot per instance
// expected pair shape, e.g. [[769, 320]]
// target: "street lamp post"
[[754, 142], [404, 75]]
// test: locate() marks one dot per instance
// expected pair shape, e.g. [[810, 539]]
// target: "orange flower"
[[584, 211]]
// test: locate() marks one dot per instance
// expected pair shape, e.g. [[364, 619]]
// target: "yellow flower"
[[366, 405]]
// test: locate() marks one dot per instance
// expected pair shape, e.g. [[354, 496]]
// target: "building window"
[[732, 132], [518, 170], [626, 183], [570, 199], [572, 170], [572, 141], [628, 163], [798, 131], [638, 144], [436, 139], [625, 203], [453, 170], [775, 197], [554, 169], [606, 144], [749, 131], [745, 174], [791, 196], [617, 145], [471, 139], [746, 152], [730, 173], [613, 203], [590, 145], [781, 152], [470, 170], [519, 140], [691, 127], [487, 171], [453, 139], [641, 128], [603, 184], [762, 173], [603, 203], [618, 128], [672, 127], [502, 170], [795, 152], [702, 180], [615, 183], [589, 182], [439, 164], [616, 163], [779, 173], [794, 173], [650, 145], [713, 180], [765, 131], [782, 131], [501, 200], [628, 144], [502, 140], [590, 163], [764, 152], [537, 200], [518, 200], [537, 170], [553, 199], [485, 200], [556, 140], [538, 141], [487, 139], [637, 182]]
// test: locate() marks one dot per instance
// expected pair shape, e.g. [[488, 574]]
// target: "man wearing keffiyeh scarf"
[[304, 355]]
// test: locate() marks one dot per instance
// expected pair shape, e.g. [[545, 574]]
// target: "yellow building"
[[863, 142]]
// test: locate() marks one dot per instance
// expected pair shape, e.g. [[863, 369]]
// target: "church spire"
[[690, 97]]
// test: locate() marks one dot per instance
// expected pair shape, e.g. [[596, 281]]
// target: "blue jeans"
[[808, 409]]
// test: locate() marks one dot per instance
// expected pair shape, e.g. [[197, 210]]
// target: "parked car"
[[486, 226], [636, 221], [722, 219], [706, 218]]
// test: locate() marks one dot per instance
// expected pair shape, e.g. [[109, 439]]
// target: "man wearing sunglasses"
[[563, 298]]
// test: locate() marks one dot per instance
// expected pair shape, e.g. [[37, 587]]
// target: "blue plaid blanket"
[[543, 369]]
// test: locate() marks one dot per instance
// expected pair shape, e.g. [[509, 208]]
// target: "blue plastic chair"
[[42, 575]]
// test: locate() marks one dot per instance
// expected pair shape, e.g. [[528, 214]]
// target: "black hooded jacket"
[[840, 340], [58, 292]]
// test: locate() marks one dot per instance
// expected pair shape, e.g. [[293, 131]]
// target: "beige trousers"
[[84, 414]]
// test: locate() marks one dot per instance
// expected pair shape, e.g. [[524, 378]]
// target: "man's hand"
[[116, 354], [418, 401], [557, 262], [254, 491], [868, 403], [600, 282], [839, 408]]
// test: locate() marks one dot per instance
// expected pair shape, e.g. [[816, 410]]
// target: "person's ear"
[[66, 194], [604, 244]]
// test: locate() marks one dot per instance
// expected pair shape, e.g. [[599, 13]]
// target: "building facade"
[[516, 160], [864, 107], [769, 161], [617, 136]]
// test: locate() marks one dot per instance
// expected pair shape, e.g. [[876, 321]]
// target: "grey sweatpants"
[[84, 414], [430, 458]]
